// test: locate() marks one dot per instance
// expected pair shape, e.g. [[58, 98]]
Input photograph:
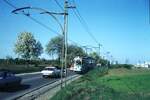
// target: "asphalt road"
[[28, 83]]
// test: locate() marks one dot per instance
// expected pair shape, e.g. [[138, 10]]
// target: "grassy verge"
[[116, 84]]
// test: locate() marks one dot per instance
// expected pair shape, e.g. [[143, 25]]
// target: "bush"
[[83, 87], [128, 66], [22, 68]]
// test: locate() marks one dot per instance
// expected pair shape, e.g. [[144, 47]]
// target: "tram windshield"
[[78, 62]]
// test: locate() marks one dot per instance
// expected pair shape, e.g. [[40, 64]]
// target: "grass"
[[131, 81], [116, 84]]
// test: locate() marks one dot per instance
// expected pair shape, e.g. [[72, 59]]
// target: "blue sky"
[[121, 26]]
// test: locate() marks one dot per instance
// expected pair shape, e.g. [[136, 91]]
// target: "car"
[[8, 79], [51, 72]]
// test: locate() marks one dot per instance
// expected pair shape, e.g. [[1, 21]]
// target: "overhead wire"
[[45, 26], [40, 23], [59, 5], [10, 4], [33, 19], [80, 19], [83, 23]]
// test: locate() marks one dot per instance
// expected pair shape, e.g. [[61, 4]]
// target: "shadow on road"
[[15, 88]]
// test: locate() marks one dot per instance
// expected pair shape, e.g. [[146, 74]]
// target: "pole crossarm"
[[43, 11], [19, 9], [54, 13], [71, 7]]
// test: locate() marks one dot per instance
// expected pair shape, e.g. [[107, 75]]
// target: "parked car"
[[8, 79], [51, 72]]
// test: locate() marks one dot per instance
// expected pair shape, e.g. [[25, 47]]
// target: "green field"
[[115, 84]]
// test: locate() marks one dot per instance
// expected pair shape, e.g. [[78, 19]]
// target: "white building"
[[144, 65]]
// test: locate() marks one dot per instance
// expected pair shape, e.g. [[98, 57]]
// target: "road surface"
[[29, 82]]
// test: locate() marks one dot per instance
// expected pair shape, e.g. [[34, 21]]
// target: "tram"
[[83, 64]]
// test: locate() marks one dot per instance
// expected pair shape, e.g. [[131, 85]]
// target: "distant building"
[[144, 65]]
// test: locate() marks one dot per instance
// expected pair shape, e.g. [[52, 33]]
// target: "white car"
[[51, 72]]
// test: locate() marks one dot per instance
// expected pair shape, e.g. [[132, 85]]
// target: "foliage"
[[27, 47], [20, 66], [73, 51], [99, 59], [17, 61], [76, 89], [54, 46], [119, 84], [128, 66], [95, 56], [104, 62]]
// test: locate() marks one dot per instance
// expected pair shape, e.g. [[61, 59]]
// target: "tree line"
[[28, 50]]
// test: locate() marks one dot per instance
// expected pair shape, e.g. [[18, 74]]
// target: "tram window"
[[78, 62]]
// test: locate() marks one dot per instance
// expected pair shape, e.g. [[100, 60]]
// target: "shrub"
[[128, 66]]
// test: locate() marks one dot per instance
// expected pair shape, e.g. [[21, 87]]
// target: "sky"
[[121, 26]]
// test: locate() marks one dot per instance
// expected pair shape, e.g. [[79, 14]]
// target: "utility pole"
[[63, 28], [64, 48], [65, 36], [85, 49], [107, 54], [99, 46]]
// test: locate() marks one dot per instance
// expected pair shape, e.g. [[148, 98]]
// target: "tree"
[[104, 62], [73, 51], [54, 46], [27, 47], [9, 59], [99, 59], [95, 56]]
